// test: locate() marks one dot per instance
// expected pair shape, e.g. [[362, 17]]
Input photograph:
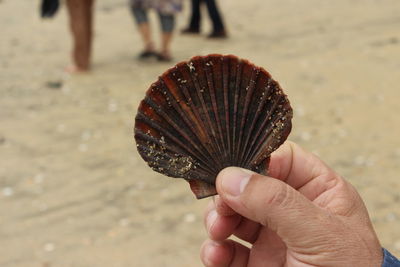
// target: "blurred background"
[[75, 192]]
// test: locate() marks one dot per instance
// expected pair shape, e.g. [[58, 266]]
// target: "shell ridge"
[[176, 166], [241, 110], [261, 140], [225, 89], [264, 117], [199, 121], [255, 112], [235, 109], [220, 82], [243, 125], [177, 128], [233, 63], [271, 142], [169, 119], [183, 107], [139, 134], [206, 117], [210, 82], [161, 161], [196, 105], [195, 129], [209, 105]]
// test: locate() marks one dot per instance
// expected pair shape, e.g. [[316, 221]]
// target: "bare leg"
[[167, 27], [145, 32], [80, 18], [142, 21], [166, 38]]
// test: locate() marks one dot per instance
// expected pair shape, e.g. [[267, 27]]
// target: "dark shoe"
[[219, 34], [147, 54], [164, 58], [190, 31]]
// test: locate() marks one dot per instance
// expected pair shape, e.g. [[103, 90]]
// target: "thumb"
[[271, 203]]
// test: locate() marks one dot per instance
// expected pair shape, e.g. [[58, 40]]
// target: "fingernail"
[[211, 217], [234, 180]]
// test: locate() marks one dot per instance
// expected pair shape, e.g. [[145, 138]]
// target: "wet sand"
[[73, 189]]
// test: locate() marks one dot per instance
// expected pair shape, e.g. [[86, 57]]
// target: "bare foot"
[[164, 56], [73, 69]]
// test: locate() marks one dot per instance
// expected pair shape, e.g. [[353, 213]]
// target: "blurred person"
[[80, 20], [195, 20], [166, 10], [302, 214]]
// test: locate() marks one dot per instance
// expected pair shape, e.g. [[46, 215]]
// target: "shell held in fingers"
[[209, 113]]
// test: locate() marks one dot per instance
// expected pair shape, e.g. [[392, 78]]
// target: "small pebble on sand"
[[397, 152], [66, 89], [49, 247], [305, 136], [42, 207], [397, 245], [124, 222], [391, 217], [83, 147], [38, 179], [112, 106], [299, 111], [189, 218], [54, 85], [8, 191], [165, 192], [359, 160], [342, 133], [86, 135], [61, 128], [140, 185]]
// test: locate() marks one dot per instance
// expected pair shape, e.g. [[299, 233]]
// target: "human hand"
[[307, 215]]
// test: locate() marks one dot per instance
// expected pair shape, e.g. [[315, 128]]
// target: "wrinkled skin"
[[307, 215]]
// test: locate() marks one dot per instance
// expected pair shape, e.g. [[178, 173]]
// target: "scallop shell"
[[209, 113]]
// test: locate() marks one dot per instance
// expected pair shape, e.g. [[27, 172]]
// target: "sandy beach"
[[73, 189]]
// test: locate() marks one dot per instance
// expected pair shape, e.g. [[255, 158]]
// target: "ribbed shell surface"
[[209, 113]]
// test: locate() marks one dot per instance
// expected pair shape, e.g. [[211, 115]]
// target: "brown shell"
[[210, 113]]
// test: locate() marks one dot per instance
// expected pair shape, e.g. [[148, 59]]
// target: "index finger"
[[297, 167]]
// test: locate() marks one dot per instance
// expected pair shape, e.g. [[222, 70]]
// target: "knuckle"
[[277, 198], [266, 199], [279, 195]]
